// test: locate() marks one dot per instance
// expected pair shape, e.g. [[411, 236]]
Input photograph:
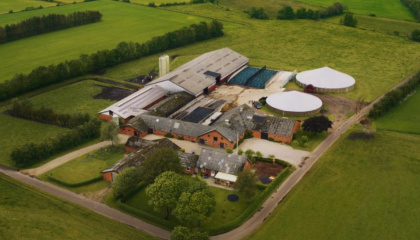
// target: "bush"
[[258, 13], [169, 135], [152, 4], [415, 35], [229, 150], [414, 7], [286, 13], [349, 20]]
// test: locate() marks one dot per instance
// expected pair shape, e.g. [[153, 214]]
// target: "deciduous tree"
[[184, 233], [110, 133], [161, 160], [317, 124], [125, 182], [246, 183]]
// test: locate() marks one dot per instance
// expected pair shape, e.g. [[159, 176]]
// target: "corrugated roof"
[[174, 126], [192, 75], [134, 104], [221, 161]]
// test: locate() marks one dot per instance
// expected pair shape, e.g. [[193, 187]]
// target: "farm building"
[[224, 132], [326, 80], [294, 103], [253, 77], [222, 166], [204, 73], [134, 104], [142, 148]]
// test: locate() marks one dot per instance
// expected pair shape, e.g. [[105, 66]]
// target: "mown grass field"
[[120, 22], [74, 98], [405, 118], [358, 190], [301, 45], [30, 214], [385, 8], [19, 5], [16, 132]]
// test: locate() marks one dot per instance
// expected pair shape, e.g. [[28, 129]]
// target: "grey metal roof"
[[221, 161], [175, 126], [191, 76], [136, 158], [134, 104], [274, 125]]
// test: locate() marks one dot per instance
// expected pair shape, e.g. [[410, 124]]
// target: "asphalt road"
[[242, 231]]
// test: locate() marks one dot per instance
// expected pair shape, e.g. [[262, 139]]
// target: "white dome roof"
[[294, 101], [326, 78]]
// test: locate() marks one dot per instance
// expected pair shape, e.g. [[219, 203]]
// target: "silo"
[[163, 65]]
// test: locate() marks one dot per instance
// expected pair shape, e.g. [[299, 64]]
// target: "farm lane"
[[238, 233], [87, 203], [68, 157]]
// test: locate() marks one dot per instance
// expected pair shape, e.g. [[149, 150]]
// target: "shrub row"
[[73, 185], [124, 52], [25, 109], [395, 97], [253, 206], [288, 12], [414, 6], [52, 22], [31, 153]]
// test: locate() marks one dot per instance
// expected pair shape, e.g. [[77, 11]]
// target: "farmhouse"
[[326, 80], [225, 132], [222, 166]]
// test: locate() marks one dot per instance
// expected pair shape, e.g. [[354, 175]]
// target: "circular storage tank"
[[294, 103], [326, 80]]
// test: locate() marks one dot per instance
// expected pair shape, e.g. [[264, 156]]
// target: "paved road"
[[242, 231], [87, 203]]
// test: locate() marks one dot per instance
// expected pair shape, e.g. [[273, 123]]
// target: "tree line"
[[395, 97], [23, 108], [31, 153], [414, 6], [47, 23], [124, 52]]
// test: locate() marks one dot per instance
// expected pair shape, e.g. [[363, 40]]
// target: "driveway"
[[281, 151]]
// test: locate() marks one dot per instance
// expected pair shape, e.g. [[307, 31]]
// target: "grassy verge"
[[358, 190], [31, 214]]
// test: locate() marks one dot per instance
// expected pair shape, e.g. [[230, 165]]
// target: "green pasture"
[[75, 98], [404, 118], [31, 214], [358, 190], [377, 61], [19, 5], [16, 132], [385, 8], [120, 22], [87, 167], [157, 2]]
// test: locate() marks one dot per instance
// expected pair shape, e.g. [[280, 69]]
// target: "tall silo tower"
[[163, 65]]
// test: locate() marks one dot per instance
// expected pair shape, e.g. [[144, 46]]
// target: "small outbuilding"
[[326, 80]]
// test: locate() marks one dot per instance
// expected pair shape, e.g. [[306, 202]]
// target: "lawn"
[[385, 8], [404, 118], [31, 214], [74, 98], [301, 45], [16, 132], [358, 190], [87, 167], [120, 22]]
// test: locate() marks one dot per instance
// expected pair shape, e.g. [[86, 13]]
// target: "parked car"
[[256, 104]]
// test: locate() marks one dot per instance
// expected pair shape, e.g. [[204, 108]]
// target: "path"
[[68, 157], [88, 203]]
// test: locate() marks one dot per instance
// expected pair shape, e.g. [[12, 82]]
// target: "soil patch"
[[361, 135], [365, 122], [112, 93], [264, 169]]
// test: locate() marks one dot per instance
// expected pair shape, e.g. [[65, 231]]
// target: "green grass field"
[[19, 5], [16, 132], [385, 8], [30, 214], [74, 98], [120, 22], [300, 45], [404, 118], [87, 167], [358, 190]]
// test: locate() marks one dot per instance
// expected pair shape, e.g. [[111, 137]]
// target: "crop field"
[[291, 45], [16, 132], [74, 98], [404, 118], [120, 22], [385, 8], [359, 189], [30, 214]]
